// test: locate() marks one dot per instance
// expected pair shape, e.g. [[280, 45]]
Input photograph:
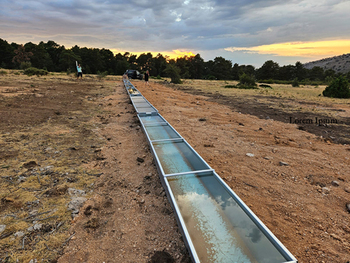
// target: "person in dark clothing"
[[146, 77]]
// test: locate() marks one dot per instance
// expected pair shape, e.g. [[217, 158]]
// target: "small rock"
[[19, 234], [2, 228], [35, 227], [267, 158], [140, 160], [335, 183], [326, 190], [240, 124], [348, 207], [73, 191], [249, 154], [46, 168], [147, 177], [347, 189], [283, 164], [33, 212], [21, 179], [30, 164], [33, 203], [75, 204], [202, 119]]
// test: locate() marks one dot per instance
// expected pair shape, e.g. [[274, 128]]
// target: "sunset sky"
[[244, 31]]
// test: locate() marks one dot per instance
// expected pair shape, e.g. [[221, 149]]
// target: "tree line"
[[56, 58]]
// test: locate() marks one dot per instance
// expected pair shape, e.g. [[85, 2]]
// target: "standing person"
[[146, 77], [125, 76], [80, 72]]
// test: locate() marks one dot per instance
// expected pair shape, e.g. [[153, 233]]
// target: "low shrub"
[[158, 77], [339, 88], [245, 82], [101, 75], [3, 72], [69, 71], [295, 83], [35, 71], [210, 77], [174, 73], [25, 65]]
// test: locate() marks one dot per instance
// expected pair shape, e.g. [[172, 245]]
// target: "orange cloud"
[[300, 49]]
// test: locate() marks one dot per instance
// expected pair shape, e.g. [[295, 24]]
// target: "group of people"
[[146, 76], [125, 76]]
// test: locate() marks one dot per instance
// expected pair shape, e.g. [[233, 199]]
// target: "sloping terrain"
[[340, 64]]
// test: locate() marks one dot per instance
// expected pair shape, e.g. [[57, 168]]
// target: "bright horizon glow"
[[174, 54], [318, 49]]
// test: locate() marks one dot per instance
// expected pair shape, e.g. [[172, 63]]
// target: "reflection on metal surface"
[[147, 119], [219, 229], [178, 157], [141, 105], [161, 132]]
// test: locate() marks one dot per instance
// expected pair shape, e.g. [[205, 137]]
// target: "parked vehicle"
[[134, 74]]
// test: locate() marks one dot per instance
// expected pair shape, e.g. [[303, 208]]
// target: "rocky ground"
[[78, 182]]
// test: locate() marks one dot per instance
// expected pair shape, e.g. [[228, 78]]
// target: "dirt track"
[[136, 221], [127, 217]]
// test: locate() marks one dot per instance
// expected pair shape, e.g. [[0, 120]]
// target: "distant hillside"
[[340, 64]]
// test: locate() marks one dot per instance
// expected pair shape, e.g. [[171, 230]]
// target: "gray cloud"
[[143, 25]]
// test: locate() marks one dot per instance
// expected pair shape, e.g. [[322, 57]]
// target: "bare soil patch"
[[326, 120], [296, 182]]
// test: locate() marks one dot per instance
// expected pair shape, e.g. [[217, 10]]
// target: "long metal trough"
[[216, 224]]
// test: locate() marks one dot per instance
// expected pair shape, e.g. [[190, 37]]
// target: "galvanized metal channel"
[[216, 224]]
